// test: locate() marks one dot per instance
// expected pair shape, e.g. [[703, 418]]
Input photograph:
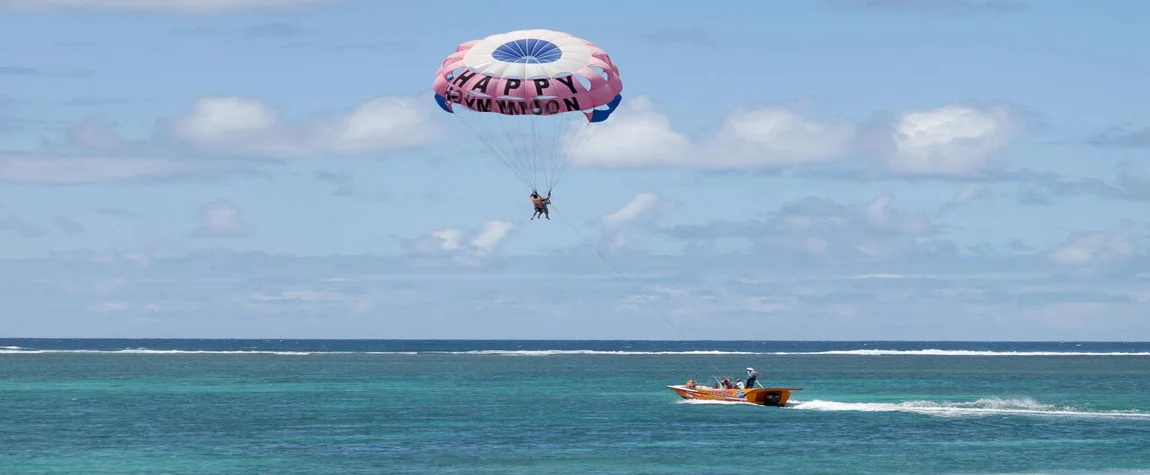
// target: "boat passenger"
[[739, 384]]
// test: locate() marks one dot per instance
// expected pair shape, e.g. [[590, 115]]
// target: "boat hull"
[[760, 396]]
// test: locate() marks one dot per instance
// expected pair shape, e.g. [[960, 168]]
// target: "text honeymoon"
[[512, 107]]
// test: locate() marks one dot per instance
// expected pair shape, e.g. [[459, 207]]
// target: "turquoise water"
[[210, 406]]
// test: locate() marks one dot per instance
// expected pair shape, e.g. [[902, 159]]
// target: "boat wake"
[[935, 352], [981, 407]]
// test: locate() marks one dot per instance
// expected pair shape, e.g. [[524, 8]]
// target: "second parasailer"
[[530, 96]]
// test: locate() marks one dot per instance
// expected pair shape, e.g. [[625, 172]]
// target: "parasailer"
[[541, 203], [530, 96]]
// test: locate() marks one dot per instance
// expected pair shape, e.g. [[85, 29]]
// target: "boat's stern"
[[777, 397]]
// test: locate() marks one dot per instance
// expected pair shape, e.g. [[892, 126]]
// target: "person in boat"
[[752, 375], [691, 384], [739, 384], [540, 205], [727, 383]]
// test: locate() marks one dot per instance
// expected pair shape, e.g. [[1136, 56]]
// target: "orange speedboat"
[[760, 396], [723, 391]]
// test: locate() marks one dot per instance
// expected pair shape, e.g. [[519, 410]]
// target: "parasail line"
[[628, 281]]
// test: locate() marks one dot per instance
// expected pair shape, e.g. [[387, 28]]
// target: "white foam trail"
[[981, 407], [1105, 471], [934, 352]]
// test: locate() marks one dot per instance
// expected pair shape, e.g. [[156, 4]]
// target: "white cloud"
[[705, 296], [95, 286], [293, 301], [778, 135], [488, 238], [952, 140], [238, 126], [185, 6], [637, 212], [219, 219], [121, 307], [20, 226], [707, 301], [635, 136], [1094, 248], [934, 6], [642, 205], [881, 215], [109, 307], [453, 243], [228, 126], [821, 228], [68, 225], [311, 296], [816, 246], [968, 193], [438, 241], [105, 257], [948, 141], [827, 221], [94, 133], [638, 136], [71, 170]]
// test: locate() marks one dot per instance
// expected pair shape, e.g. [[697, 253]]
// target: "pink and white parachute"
[[520, 91]]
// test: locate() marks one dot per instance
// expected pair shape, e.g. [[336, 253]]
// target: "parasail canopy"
[[531, 96]]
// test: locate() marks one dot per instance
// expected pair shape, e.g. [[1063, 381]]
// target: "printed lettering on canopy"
[[512, 89]]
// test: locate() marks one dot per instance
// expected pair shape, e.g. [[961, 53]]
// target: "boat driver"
[[752, 375]]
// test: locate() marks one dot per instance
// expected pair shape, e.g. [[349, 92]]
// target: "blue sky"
[[825, 170]]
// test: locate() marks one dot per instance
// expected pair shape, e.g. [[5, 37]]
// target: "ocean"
[[559, 407]]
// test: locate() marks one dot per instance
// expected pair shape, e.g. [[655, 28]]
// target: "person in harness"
[[540, 205]]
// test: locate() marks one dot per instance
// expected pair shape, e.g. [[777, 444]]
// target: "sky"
[[822, 170]]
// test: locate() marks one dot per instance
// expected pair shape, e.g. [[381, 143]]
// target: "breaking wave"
[[18, 350], [860, 352], [926, 352], [590, 352], [145, 351]]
